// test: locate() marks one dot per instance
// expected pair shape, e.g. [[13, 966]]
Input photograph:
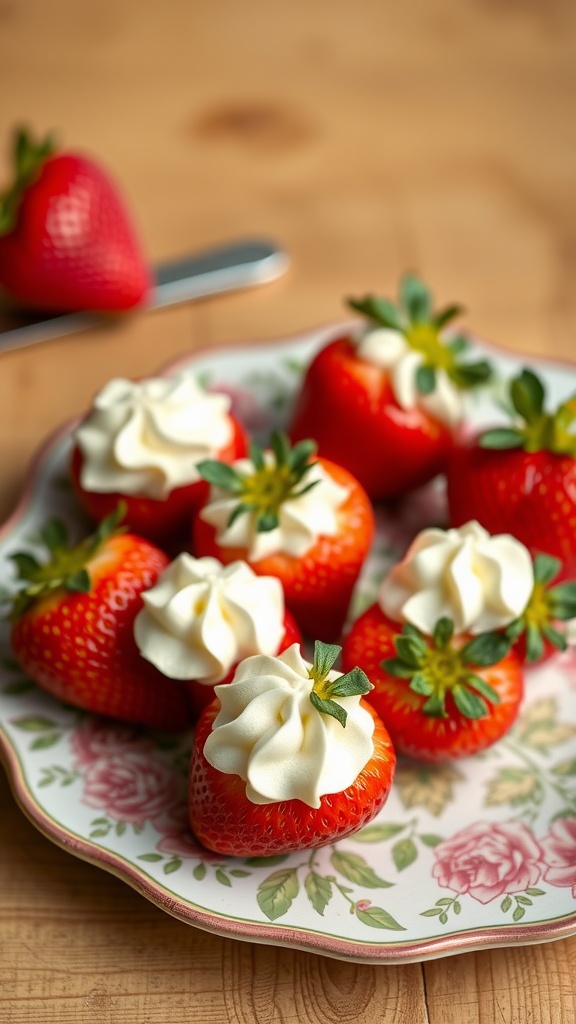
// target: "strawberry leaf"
[[469, 704], [546, 568], [256, 455], [527, 394], [534, 643], [416, 299], [351, 684], [381, 311], [444, 316], [443, 632], [425, 379], [325, 656], [54, 535], [280, 445], [28, 567], [485, 649], [267, 521], [78, 582], [420, 684], [502, 438], [395, 667], [563, 601], [554, 637], [220, 474], [458, 344], [329, 707], [410, 651], [470, 375], [483, 688], [434, 706]]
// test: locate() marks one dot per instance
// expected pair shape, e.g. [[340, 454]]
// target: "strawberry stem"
[[353, 683], [434, 668], [274, 479], [422, 328], [28, 158], [535, 429], [66, 567]]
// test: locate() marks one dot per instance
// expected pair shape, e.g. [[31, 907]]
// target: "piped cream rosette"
[[479, 581], [270, 733], [201, 618], [389, 350], [145, 438]]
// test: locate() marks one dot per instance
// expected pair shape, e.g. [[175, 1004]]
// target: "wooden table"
[[369, 138]]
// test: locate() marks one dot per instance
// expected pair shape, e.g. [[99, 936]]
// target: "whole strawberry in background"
[[386, 400], [67, 242], [72, 626], [521, 478]]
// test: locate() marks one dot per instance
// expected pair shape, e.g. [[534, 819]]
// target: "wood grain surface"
[[369, 138]]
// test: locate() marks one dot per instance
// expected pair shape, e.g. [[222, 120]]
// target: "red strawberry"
[[522, 479], [226, 821], [318, 585], [66, 240], [349, 404], [440, 697], [202, 695], [166, 522], [72, 626]]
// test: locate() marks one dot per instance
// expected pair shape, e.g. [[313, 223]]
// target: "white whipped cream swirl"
[[389, 350], [302, 520], [269, 733], [201, 618], [145, 438], [481, 582]]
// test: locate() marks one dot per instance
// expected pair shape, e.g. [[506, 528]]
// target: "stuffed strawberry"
[[288, 757], [66, 239], [446, 681], [386, 401], [306, 521], [141, 442], [521, 479], [201, 618], [72, 626], [441, 697]]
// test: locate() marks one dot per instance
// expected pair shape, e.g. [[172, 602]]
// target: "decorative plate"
[[480, 852]]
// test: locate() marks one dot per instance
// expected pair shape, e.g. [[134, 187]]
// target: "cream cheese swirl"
[[302, 519], [269, 733], [481, 582], [201, 618], [145, 438], [389, 350]]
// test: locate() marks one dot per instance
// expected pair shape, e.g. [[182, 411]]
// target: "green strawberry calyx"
[[435, 667], [272, 481], [66, 568], [353, 683], [533, 428], [413, 316], [28, 158], [547, 606]]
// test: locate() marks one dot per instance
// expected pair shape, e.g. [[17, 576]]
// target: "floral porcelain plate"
[[480, 852]]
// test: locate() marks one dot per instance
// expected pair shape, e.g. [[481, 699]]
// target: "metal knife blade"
[[221, 269]]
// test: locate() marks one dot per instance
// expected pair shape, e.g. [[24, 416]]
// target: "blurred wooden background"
[[367, 138]]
